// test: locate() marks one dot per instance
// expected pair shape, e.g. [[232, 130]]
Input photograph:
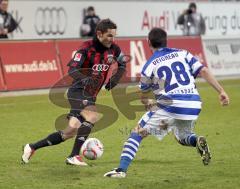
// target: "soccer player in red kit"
[[88, 68]]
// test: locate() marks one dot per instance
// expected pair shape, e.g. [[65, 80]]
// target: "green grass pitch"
[[164, 164]]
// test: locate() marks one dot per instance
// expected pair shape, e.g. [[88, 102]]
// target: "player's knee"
[[90, 116], [72, 128], [93, 118], [141, 131], [74, 123]]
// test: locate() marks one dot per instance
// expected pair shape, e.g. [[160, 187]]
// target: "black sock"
[[52, 139], [77, 145], [82, 134]]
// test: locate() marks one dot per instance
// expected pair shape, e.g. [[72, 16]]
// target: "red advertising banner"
[[29, 65], [40, 64]]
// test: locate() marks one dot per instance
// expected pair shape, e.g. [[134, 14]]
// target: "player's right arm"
[[146, 83], [145, 90], [208, 76], [76, 63], [196, 68]]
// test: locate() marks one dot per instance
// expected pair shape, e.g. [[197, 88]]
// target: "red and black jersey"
[[91, 63]]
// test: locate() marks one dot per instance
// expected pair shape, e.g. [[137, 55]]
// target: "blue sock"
[[190, 140], [130, 149]]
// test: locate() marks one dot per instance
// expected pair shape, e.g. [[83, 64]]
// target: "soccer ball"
[[92, 149]]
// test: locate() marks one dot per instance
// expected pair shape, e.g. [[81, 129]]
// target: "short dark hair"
[[105, 24], [157, 38], [91, 8]]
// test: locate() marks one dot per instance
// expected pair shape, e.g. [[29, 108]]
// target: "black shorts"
[[78, 100]]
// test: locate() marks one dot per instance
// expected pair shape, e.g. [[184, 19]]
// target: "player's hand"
[[224, 99], [150, 105], [114, 80]]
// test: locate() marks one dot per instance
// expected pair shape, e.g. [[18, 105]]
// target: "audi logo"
[[100, 67], [50, 21]]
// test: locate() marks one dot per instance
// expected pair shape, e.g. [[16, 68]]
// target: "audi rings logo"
[[50, 21], [100, 67]]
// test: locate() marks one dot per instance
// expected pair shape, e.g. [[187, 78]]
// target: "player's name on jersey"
[[164, 58], [183, 91]]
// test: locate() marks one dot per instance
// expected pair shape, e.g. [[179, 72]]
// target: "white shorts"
[[159, 124]]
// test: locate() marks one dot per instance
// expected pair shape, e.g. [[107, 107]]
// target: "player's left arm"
[[196, 68], [208, 76], [121, 61]]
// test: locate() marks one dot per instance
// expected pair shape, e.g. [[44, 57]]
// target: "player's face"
[[193, 10], [4, 5], [91, 13], [107, 38]]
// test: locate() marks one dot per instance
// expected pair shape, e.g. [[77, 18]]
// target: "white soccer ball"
[[92, 149]]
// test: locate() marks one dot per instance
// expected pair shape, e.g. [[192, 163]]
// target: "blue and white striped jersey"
[[170, 73]]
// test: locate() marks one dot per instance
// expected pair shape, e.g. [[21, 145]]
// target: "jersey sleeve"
[[194, 64], [76, 63], [78, 59]]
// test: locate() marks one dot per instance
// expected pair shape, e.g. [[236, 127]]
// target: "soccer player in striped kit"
[[170, 75]]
